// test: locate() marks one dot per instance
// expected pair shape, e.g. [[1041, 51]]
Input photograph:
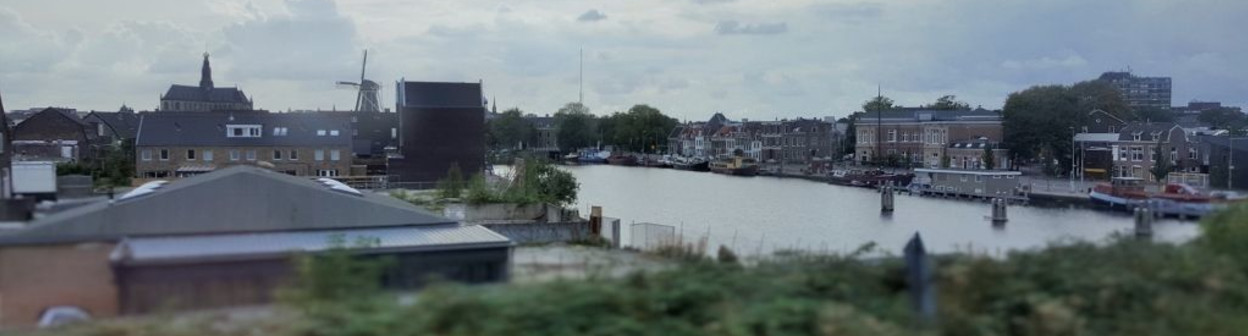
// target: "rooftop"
[[209, 129]]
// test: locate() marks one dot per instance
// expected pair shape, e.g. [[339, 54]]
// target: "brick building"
[[1135, 150], [54, 134], [180, 144], [919, 136]]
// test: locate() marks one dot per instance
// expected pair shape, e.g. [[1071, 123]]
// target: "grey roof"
[[238, 199], [199, 94], [441, 94], [252, 245], [209, 129], [929, 115], [1146, 128], [125, 124]]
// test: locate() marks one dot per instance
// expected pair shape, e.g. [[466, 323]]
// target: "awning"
[[196, 168]]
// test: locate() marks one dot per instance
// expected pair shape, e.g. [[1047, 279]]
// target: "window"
[[207, 155], [147, 155], [280, 131], [962, 177], [320, 132], [233, 155], [277, 154], [294, 154], [355, 132], [1135, 136], [251, 155], [243, 131], [164, 155], [327, 172], [333, 132], [1137, 154], [190, 154], [979, 178], [318, 155], [892, 135], [1191, 153], [394, 133]]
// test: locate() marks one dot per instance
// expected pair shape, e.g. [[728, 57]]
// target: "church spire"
[[205, 76]]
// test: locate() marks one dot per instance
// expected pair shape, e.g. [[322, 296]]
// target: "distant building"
[[6, 154], [547, 138], [440, 124], [1225, 159], [225, 239], [205, 97], [1195, 107], [54, 135], [1141, 92], [113, 127], [181, 144], [921, 137], [969, 154], [1135, 152]]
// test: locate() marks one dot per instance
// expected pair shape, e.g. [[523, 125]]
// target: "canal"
[[759, 215]]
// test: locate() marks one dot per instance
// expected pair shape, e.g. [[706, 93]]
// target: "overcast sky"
[[757, 59]]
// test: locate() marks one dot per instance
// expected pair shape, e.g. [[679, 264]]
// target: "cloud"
[[313, 42], [591, 16], [1045, 63], [732, 27], [711, 2], [848, 11]]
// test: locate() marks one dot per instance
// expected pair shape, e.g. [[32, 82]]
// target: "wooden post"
[[595, 221]]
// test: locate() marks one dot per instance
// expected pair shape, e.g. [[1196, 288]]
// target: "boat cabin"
[[968, 183]]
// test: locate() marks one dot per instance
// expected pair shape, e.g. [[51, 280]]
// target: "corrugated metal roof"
[[154, 249]]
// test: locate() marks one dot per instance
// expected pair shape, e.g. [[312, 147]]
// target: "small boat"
[[594, 157], [622, 160], [571, 159], [1175, 199], [697, 165], [735, 166], [871, 178]]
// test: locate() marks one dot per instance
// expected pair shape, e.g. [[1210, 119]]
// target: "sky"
[[754, 59]]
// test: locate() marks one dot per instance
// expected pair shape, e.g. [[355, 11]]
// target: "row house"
[[55, 134], [1136, 150], [181, 144], [919, 136]]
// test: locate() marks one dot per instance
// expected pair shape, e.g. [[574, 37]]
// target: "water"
[[759, 215]]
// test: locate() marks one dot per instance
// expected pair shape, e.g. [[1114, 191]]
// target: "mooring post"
[[886, 199], [919, 272], [1143, 222]]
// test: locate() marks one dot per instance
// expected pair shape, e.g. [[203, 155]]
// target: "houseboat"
[[593, 157], [1175, 199], [985, 184], [691, 164], [870, 178], [735, 166], [622, 160]]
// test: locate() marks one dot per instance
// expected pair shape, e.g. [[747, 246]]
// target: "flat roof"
[[969, 172], [180, 249]]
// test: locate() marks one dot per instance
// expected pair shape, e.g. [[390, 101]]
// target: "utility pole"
[[1072, 159], [1230, 161], [581, 80], [879, 126]]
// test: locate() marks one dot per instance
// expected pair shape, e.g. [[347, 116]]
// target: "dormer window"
[[1136, 136], [320, 132], [333, 132], [243, 131], [280, 131]]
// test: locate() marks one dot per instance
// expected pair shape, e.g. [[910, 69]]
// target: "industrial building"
[[440, 124]]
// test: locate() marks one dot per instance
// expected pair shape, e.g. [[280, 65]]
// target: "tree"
[[511, 130], [851, 133], [1222, 118], [1161, 163], [944, 161], [949, 102], [878, 103], [1040, 121], [575, 127], [1153, 114], [642, 129], [990, 161]]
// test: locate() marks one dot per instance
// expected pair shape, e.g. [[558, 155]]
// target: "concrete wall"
[[501, 212], [33, 278]]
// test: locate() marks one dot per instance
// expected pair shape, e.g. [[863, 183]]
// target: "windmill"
[[366, 100]]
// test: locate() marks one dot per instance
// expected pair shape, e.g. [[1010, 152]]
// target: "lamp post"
[[1230, 162], [1072, 159]]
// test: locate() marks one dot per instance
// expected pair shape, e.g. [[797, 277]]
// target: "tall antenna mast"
[[879, 126], [581, 80]]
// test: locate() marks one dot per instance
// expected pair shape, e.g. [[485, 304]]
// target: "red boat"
[[1178, 200]]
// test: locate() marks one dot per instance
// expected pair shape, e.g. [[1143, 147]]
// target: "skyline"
[[748, 59]]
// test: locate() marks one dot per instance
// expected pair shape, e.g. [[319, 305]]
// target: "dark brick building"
[[440, 124], [53, 135]]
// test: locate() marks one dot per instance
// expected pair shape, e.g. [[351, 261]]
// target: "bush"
[[453, 185]]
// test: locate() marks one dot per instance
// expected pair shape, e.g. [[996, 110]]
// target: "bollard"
[[1143, 222], [998, 211], [886, 199], [595, 221]]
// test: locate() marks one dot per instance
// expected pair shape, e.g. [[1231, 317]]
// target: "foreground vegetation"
[[1124, 287]]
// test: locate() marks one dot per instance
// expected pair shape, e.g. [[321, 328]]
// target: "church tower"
[[205, 76]]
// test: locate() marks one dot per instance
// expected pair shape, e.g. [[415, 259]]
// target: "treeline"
[[640, 129]]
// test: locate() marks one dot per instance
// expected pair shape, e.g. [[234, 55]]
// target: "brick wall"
[[305, 165], [33, 278]]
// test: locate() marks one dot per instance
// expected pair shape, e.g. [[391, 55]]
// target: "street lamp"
[[1072, 159]]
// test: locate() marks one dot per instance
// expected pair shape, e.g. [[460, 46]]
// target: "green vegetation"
[[990, 161], [949, 102], [1126, 286], [511, 130], [641, 129], [575, 127], [453, 185], [1225, 118], [1161, 166], [113, 167], [1040, 122]]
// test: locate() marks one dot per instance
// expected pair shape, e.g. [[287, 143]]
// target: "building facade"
[[440, 125], [54, 134], [1141, 92], [921, 137], [1136, 151], [181, 144], [205, 97]]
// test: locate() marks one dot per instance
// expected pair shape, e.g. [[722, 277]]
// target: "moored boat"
[[735, 166], [1177, 200], [622, 160], [692, 165], [870, 178]]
